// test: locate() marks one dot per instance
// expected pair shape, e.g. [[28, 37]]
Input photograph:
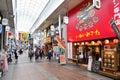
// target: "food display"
[[109, 60], [110, 65]]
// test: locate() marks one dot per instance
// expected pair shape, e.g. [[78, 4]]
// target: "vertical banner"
[[70, 50]]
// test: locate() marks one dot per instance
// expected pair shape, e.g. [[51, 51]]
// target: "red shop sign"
[[89, 23]]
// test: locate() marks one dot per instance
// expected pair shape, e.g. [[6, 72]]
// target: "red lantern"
[[9, 34]]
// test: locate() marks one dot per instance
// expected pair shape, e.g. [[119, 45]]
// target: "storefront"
[[90, 33], [48, 44]]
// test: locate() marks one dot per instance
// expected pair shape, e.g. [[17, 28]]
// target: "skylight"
[[27, 12]]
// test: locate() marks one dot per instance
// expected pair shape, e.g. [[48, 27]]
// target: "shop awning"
[[60, 43]]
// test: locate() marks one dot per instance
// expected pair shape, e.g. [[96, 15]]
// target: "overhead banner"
[[89, 23]]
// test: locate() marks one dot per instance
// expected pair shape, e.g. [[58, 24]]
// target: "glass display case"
[[110, 60]]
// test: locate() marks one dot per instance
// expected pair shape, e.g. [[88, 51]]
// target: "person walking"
[[16, 55], [49, 55], [31, 53], [41, 53], [9, 51], [36, 54]]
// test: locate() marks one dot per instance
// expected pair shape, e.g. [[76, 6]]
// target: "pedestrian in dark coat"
[[36, 54], [16, 56], [31, 54], [41, 53], [49, 55]]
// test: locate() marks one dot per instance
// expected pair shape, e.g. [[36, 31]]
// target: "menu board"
[[96, 66]]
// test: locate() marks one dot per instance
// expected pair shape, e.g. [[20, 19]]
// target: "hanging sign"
[[4, 21], [0, 28], [7, 28], [65, 19], [97, 3], [115, 28]]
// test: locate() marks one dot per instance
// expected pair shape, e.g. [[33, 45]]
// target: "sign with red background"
[[89, 23]]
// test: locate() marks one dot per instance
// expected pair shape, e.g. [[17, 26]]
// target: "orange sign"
[[62, 59], [60, 43]]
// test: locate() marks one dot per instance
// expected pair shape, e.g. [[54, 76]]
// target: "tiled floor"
[[45, 70]]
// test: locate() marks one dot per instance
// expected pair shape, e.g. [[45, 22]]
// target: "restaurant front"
[[89, 33]]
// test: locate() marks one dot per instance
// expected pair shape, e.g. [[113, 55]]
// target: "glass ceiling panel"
[[27, 13]]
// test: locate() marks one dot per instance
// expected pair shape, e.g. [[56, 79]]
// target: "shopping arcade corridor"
[[45, 70]]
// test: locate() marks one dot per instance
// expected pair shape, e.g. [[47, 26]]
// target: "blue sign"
[[0, 28]]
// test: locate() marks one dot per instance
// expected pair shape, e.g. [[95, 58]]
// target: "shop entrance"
[[84, 51], [95, 52]]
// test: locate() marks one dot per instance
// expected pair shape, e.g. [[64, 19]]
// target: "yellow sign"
[[89, 34], [24, 37]]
